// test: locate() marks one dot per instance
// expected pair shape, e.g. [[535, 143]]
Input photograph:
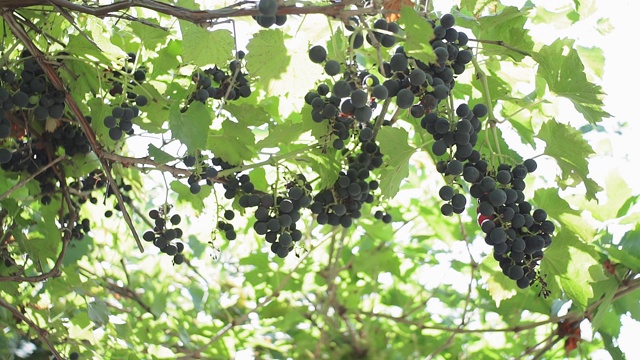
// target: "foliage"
[[278, 222]]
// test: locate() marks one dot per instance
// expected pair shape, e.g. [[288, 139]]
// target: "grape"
[[357, 40], [417, 111], [458, 201], [178, 259], [280, 20], [380, 92], [142, 100], [317, 54], [462, 110], [359, 98], [286, 206], [446, 209], [115, 133], [531, 165], [268, 7], [539, 215], [498, 235], [439, 148], [405, 98], [455, 167], [229, 214], [399, 62], [386, 218], [486, 208], [446, 193], [497, 197], [341, 89], [265, 21], [516, 272], [503, 176], [464, 56], [74, 356], [139, 75], [441, 92], [189, 161], [470, 174], [366, 134], [21, 99], [332, 67], [480, 110], [194, 188], [175, 219], [417, 77], [447, 21], [363, 114]]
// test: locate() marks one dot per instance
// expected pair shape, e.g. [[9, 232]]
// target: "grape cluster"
[[418, 86], [455, 139], [268, 16], [341, 204], [276, 218], [165, 237], [121, 119], [517, 233], [215, 83], [226, 227]]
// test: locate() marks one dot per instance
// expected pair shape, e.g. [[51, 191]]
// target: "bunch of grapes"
[[216, 83], [276, 218], [341, 204], [455, 139], [268, 16], [121, 120], [517, 233], [165, 237]]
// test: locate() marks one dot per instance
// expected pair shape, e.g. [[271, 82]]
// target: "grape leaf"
[[158, 155], [394, 144], [562, 69], [150, 36], [507, 26], [500, 286], [267, 56], [184, 195], [192, 126], [573, 265], [418, 33], [98, 312], [567, 146], [202, 47], [233, 143], [618, 195], [248, 114]]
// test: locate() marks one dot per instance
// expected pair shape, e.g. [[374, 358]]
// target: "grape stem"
[[380, 118], [503, 44], [486, 95]]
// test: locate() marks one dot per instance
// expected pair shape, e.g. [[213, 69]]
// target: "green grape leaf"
[[280, 134], [325, 162], [619, 198], [500, 286], [573, 265], [192, 126], [418, 33], [158, 155], [184, 195], [562, 69], [267, 57], [248, 114], [202, 47], [233, 142], [567, 146], [394, 144], [506, 26], [150, 36], [167, 58]]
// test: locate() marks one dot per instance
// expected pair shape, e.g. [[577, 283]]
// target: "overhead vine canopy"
[[305, 180]]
